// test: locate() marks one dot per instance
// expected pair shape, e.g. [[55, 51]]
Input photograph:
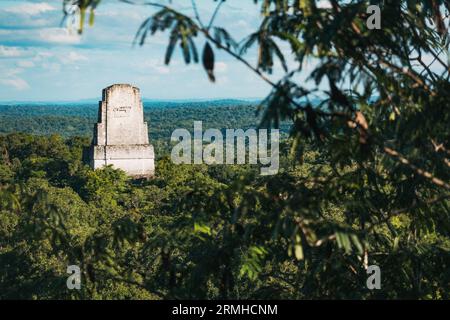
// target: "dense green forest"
[[363, 180], [162, 117], [78, 119], [195, 231]]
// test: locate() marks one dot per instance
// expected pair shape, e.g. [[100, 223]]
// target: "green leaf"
[[208, 61], [299, 252], [172, 42], [202, 228]]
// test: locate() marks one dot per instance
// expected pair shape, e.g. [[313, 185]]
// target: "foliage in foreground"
[[206, 232]]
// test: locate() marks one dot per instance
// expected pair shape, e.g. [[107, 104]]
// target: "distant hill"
[[145, 100], [77, 119]]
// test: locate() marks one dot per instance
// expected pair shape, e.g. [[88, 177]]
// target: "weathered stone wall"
[[121, 135]]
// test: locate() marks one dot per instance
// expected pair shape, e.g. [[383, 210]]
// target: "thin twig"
[[393, 153], [197, 15], [215, 14]]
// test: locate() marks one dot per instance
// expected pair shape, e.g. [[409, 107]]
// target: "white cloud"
[[31, 9], [74, 57], [16, 83], [38, 36], [9, 77], [25, 64], [242, 23], [155, 65], [8, 73], [43, 55], [10, 52], [161, 69], [52, 67], [221, 67], [121, 14], [29, 15], [59, 36]]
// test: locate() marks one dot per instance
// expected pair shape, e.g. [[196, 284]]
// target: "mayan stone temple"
[[121, 135]]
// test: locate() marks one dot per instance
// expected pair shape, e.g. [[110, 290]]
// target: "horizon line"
[[143, 100]]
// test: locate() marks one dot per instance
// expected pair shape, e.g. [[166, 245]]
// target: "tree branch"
[[211, 21], [427, 175]]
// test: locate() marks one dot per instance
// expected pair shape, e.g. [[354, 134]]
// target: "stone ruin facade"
[[121, 135]]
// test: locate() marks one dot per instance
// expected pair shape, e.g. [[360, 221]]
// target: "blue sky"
[[43, 60], [40, 60]]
